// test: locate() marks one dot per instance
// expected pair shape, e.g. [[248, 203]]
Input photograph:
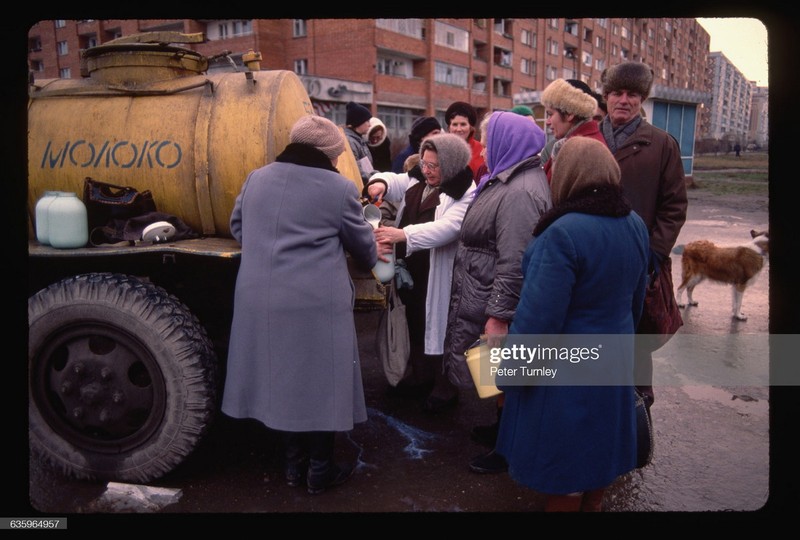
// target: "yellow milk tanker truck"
[[127, 341]]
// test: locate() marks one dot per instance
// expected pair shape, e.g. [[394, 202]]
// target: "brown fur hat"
[[631, 76], [566, 97]]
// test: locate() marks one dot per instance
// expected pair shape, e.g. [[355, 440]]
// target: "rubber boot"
[[444, 394], [491, 463], [593, 500], [323, 473], [296, 456], [486, 435], [563, 503]]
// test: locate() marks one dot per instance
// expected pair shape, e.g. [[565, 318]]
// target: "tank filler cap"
[[123, 59]]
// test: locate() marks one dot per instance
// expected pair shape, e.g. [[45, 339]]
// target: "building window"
[[479, 83], [502, 88], [62, 48], [587, 35], [37, 65], [60, 23], [614, 49], [552, 46], [301, 66], [602, 23], [398, 67], [586, 59], [625, 33], [229, 29], [527, 37], [624, 53], [398, 120], [502, 57], [299, 28], [241, 28], [600, 64], [571, 27], [450, 74], [87, 42], [552, 23], [451, 36], [65, 73], [407, 27], [503, 26], [600, 43], [551, 73], [525, 66], [34, 45]]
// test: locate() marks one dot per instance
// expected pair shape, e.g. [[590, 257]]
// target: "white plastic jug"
[[42, 226], [383, 271], [67, 222]]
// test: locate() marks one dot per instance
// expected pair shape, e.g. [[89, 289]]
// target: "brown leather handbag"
[[661, 316]]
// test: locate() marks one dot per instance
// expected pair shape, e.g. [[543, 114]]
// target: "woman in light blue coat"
[[293, 361]]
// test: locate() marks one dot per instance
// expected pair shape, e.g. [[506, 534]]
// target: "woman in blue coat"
[[293, 361], [585, 272]]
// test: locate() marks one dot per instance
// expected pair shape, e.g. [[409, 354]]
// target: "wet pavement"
[[712, 441]]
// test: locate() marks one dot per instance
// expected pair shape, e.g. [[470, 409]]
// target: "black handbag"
[[106, 202], [644, 432]]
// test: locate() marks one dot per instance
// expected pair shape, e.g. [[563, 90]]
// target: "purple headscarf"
[[511, 138]]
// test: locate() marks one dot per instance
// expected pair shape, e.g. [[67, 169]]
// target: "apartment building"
[[731, 100], [758, 135], [405, 68]]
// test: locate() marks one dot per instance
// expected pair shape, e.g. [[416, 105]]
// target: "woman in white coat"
[[432, 199]]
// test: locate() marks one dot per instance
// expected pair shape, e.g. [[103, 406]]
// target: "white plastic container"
[[42, 205], [67, 222], [383, 271]]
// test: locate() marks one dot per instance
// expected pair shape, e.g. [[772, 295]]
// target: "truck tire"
[[122, 378]]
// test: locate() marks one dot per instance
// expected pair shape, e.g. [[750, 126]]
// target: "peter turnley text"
[[522, 371], [538, 353]]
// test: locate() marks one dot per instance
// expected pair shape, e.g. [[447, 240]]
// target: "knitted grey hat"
[[319, 132], [454, 153], [569, 98], [631, 76]]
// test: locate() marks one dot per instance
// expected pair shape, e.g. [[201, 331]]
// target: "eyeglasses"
[[428, 165]]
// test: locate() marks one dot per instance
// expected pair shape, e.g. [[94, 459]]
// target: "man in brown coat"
[[652, 175]]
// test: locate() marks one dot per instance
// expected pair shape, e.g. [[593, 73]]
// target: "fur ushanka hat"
[[454, 153], [631, 76], [569, 98]]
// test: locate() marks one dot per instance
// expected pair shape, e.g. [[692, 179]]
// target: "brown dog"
[[737, 265]]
